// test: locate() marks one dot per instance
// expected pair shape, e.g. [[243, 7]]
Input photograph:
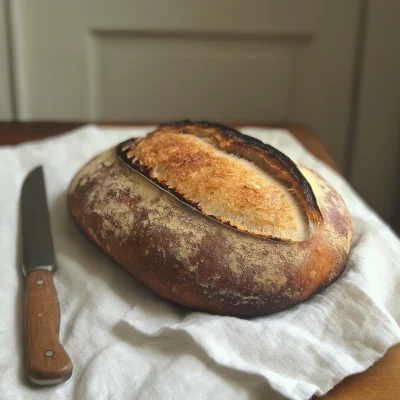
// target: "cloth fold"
[[126, 342]]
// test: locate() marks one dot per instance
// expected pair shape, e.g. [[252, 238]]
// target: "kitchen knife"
[[47, 363]]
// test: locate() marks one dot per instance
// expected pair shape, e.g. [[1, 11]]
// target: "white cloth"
[[127, 343]]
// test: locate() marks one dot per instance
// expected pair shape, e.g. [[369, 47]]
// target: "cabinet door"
[[230, 60]]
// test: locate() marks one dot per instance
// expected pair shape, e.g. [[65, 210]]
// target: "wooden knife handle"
[[47, 362]]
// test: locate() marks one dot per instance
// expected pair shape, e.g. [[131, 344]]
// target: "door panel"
[[182, 75], [225, 60]]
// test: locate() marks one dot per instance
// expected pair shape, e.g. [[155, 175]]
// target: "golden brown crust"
[[227, 176], [231, 189], [195, 261]]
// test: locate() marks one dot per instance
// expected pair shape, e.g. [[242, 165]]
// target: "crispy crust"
[[196, 261], [229, 141]]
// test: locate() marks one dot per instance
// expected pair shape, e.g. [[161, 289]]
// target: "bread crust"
[[227, 140], [197, 260]]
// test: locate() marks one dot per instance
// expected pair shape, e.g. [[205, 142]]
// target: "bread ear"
[[202, 142]]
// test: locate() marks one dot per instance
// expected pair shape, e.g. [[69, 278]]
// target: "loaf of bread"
[[213, 220]]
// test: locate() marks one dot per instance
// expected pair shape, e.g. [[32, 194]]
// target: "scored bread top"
[[228, 178]]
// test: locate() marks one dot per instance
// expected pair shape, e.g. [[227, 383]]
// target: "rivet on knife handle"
[[47, 362]]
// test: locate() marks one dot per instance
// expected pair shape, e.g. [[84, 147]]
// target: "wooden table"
[[381, 381]]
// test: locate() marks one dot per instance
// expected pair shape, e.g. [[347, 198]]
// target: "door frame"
[[375, 149], [6, 98]]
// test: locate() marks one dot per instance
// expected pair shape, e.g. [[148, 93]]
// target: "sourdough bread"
[[213, 220]]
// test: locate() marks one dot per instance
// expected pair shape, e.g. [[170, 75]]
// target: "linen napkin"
[[127, 343]]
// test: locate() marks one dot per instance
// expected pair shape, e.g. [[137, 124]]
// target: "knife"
[[47, 363]]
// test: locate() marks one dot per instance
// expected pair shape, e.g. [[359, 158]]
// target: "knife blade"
[[47, 363]]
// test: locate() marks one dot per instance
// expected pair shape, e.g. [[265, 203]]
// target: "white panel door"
[[164, 60]]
